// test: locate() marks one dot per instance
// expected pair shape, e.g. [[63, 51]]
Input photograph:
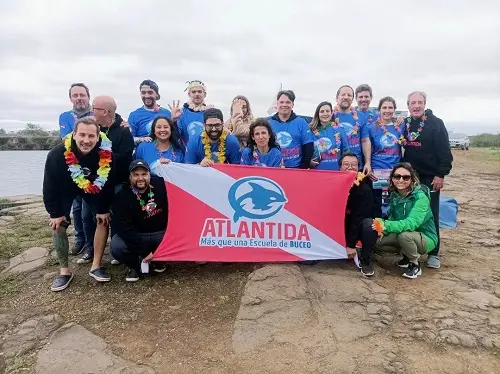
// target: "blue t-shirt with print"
[[328, 147], [195, 151], [291, 136], [147, 151], [67, 122], [354, 130], [273, 158], [141, 120], [366, 118], [386, 149], [190, 123]]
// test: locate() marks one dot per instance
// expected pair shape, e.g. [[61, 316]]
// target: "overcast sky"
[[450, 49]]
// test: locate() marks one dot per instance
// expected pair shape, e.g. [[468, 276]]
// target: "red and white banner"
[[233, 213]]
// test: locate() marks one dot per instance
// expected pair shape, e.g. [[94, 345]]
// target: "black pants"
[[377, 202], [132, 257], [435, 195], [368, 238]]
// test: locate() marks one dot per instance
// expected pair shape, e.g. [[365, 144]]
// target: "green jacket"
[[412, 213]]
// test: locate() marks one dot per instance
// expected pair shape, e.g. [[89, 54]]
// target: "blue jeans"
[[85, 223]]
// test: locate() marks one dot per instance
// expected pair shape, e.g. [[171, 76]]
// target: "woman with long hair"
[[330, 138], [262, 149], [241, 119], [166, 146], [386, 138], [410, 228]]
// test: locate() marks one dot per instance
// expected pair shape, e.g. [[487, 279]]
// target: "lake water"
[[22, 172]]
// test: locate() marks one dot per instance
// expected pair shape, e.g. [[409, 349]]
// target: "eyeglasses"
[[350, 166], [218, 126], [406, 178]]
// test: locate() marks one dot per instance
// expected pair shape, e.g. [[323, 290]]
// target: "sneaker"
[[158, 267], [132, 276], [413, 271], [86, 258], [61, 282], [433, 262], [100, 275], [115, 262], [76, 249], [404, 262], [367, 270]]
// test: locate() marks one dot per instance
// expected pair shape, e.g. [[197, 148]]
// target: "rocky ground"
[[250, 318]]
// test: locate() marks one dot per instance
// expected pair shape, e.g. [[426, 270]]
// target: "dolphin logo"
[[256, 198], [284, 139]]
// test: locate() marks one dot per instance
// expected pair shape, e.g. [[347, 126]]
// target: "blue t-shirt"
[[291, 136], [141, 120], [148, 152], [328, 147], [190, 124], [67, 122], [273, 158], [368, 117], [355, 130], [386, 150], [195, 152]]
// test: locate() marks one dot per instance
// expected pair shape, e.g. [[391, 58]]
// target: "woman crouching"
[[410, 227]]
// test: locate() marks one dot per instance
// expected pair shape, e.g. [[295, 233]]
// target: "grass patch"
[[9, 286], [23, 229]]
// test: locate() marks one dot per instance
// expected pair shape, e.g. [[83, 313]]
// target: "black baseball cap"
[[212, 113], [138, 164], [151, 84]]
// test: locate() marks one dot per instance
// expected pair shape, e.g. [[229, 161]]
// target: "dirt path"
[[299, 319]]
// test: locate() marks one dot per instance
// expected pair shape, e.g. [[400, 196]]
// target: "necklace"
[[388, 133], [355, 129], [222, 146], [150, 206], [414, 135], [77, 172], [160, 152]]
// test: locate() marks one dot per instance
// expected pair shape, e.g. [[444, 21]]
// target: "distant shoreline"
[[28, 143]]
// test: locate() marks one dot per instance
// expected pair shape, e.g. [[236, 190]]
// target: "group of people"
[[103, 170]]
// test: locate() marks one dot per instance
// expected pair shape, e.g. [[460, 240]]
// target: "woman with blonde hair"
[[241, 119]]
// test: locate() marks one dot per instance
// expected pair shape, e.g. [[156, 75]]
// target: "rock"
[[9, 219], [74, 350], [463, 339], [448, 322], [479, 299], [419, 334], [417, 326], [29, 260], [29, 334]]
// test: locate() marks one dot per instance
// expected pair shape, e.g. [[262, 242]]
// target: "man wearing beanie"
[[214, 145], [140, 120]]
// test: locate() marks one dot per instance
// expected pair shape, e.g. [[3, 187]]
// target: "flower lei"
[[338, 142], [379, 225], [77, 172], [414, 135], [222, 146], [354, 116], [360, 176], [387, 132], [151, 205]]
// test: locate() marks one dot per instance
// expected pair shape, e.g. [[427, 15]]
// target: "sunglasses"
[[406, 178]]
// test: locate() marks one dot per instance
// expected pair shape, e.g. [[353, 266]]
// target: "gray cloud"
[[448, 48]]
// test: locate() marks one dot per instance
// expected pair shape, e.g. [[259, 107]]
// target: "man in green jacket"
[[410, 227]]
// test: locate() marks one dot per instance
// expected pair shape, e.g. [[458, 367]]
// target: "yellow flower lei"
[[222, 146]]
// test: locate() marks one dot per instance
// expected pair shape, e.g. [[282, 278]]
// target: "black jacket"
[[307, 149], [429, 154], [59, 189], [131, 220], [359, 206], [122, 144]]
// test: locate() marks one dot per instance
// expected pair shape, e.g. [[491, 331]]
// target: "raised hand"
[[175, 109]]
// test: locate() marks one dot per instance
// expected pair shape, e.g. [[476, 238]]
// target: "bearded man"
[[81, 166], [214, 144]]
